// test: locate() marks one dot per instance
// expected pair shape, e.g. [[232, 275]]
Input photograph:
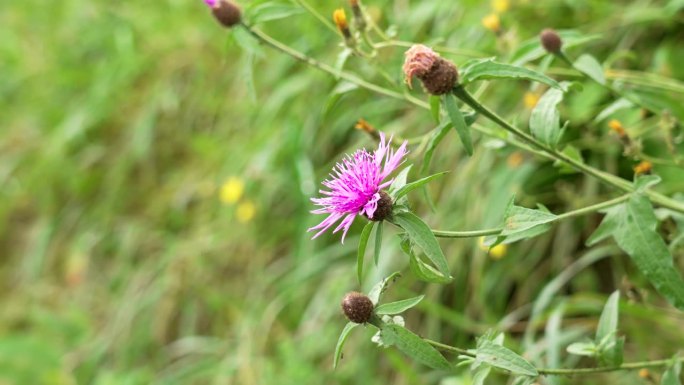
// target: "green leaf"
[[422, 270], [413, 346], [521, 223], [591, 67], [610, 345], [361, 253], [272, 11], [421, 235], [378, 243], [414, 185], [438, 134], [582, 349], [671, 375], [608, 322], [434, 107], [458, 122], [633, 226], [545, 118], [398, 306], [341, 340], [504, 358], [380, 287], [247, 42], [399, 182], [489, 69]]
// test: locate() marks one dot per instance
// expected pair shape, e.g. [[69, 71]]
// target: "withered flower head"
[[439, 76]]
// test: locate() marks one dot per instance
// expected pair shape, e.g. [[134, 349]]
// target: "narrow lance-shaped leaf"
[[361, 253], [521, 223], [504, 358], [421, 235], [340, 342], [398, 306], [414, 185], [422, 270], [633, 226], [380, 287], [489, 69], [609, 344], [589, 66], [458, 121], [378, 243], [413, 346], [545, 118]]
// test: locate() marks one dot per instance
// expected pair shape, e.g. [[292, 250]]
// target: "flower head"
[[439, 76], [225, 11], [355, 187], [551, 41]]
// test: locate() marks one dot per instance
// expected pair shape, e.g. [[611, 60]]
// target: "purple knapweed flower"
[[211, 3], [356, 187]]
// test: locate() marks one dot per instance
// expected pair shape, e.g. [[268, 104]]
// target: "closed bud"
[[225, 11], [643, 168], [357, 307], [551, 41], [340, 19], [439, 76]]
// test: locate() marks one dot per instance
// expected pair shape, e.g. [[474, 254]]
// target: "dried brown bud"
[[439, 76], [357, 307], [225, 11], [551, 41]]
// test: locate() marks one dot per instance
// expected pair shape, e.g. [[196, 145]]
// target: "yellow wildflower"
[[245, 211], [644, 373], [530, 99], [515, 159], [231, 190], [492, 22], [617, 127], [496, 252], [340, 19], [500, 6], [643, 167]]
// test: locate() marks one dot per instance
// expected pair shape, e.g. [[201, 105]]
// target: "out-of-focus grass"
[[121, 121]]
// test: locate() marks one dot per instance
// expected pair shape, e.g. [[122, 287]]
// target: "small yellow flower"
[[340, 19], [245, 211], [644, 373], [231, 190], [515, 159], [617, 127], [643, 167], [500, 6], [530, 100], [492, 22], [496, 252]]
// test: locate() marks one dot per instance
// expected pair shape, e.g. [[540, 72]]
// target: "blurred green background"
[[156, 170]]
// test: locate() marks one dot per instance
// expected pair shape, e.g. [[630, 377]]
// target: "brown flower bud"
[[439, 76], [357, 307], [225, 11], [550, 40]]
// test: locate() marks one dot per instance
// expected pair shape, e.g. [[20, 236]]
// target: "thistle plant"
[[369, 185]]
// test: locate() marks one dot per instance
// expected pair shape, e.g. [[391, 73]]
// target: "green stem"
[[263, 37], [569, 214], [569, 372], [460, 92]]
